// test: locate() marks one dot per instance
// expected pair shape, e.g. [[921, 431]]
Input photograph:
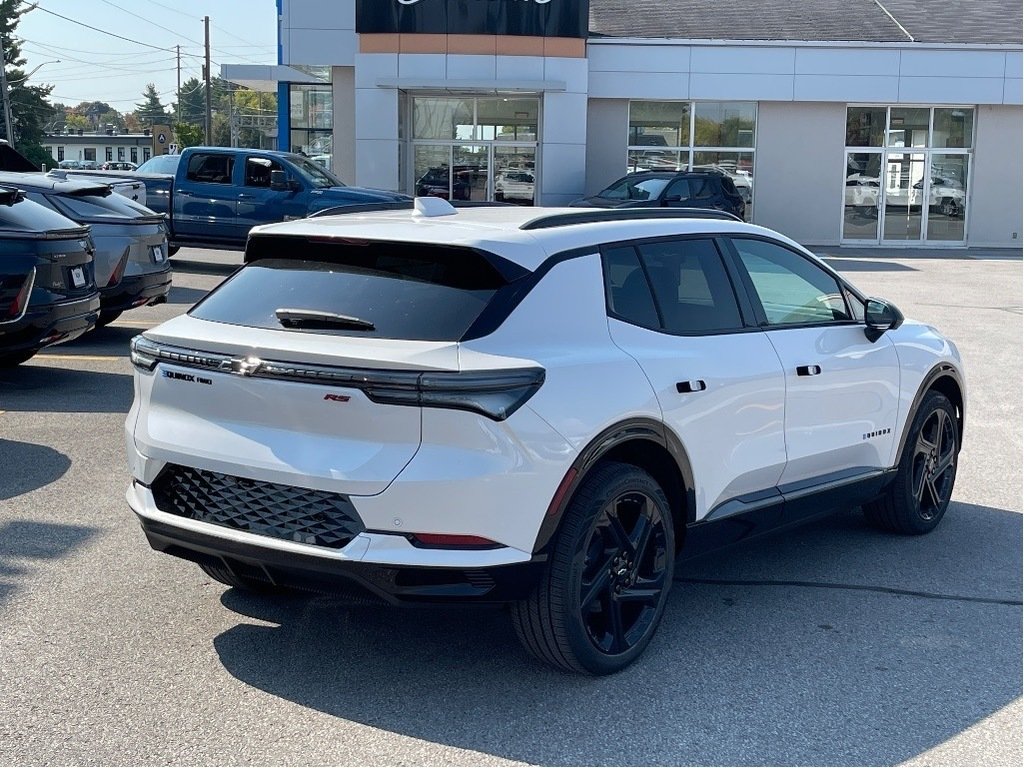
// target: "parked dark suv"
[[47, 287], [678, 189]]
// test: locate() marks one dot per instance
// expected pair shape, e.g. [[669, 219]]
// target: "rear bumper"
[[381, 567], [136, 291], [50, 324]]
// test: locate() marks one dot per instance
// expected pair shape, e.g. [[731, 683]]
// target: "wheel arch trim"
[[934, 376], [620, 433]]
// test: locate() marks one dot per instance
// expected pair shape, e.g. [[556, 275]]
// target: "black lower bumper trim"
[[136, 290], [395, 585], [50, 324]]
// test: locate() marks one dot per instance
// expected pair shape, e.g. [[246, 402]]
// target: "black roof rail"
[[398, 205], [552, 220]]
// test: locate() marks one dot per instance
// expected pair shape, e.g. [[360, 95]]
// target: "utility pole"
[[206, 76], [177, 96], [5, 96]]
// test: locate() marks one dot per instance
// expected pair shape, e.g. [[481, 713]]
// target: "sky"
[[97, 67]]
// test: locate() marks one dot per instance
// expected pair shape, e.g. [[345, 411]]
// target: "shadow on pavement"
[[197, 267], [49, 389], [186, 296], [27, 466], [739, 674], [28, 540]]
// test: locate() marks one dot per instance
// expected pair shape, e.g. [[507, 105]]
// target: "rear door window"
[[212, 168], [388, 290]]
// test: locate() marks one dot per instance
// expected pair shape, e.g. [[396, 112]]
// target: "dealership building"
[[859, 122]]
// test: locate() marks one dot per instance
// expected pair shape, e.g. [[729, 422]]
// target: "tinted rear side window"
[[210, 169], [28, 216], [405, 291], [629, 294]]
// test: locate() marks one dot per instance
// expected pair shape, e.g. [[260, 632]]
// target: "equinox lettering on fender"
[[186, 377]]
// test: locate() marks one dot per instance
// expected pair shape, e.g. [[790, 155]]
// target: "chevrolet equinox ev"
[[540, 407]]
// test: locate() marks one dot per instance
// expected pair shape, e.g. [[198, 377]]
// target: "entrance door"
[[861, 199], [906, 190]]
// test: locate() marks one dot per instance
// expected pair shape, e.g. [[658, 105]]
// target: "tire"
[[224, 576], [595, 550], [918, 498], [107, 317], [16, 358]]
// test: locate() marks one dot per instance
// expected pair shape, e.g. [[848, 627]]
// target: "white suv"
[[536, 406]]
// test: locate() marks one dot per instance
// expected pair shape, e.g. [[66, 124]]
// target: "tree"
[[29, 109], [132, 124], [188, 135], [77, 122], [151, 110]]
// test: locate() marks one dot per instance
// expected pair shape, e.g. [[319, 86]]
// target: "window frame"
[[845, 289], [748, 318]]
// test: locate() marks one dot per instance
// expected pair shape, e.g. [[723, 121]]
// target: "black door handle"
[[684, 387], [808, 370]]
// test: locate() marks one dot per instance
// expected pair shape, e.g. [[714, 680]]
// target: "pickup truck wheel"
[[16, 358], [918, 498], [601, 599]]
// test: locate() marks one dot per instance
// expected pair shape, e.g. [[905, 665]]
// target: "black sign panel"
[[542, 18]]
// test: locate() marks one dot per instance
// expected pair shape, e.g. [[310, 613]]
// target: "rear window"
[[28, 216], [415, 292], [106, 205]]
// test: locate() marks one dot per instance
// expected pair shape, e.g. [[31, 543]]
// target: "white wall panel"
[[628, 85], [847, 88], [995, 202], [316, 14], [564, 121], [952, 63], [649, 58], [376, 113], [607, 137], [562, 170], [573, 72], [422, 66], [847, 61], [1013, 65], [377, 163], [951, 90], [741, 60], [316, 47], [344, 150], [372, 66], [746, 87], [519, 67], [1012, 90], [470, 67]]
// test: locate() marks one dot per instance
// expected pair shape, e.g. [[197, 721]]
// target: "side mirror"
[[279, 182], [880, 316]]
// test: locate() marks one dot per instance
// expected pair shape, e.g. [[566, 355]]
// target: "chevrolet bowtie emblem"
[[243, 366]]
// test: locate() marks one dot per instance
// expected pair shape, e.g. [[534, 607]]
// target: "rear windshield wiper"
[[314, 318]]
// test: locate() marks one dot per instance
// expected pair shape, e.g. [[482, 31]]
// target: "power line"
[[38, 7], [215, 26]]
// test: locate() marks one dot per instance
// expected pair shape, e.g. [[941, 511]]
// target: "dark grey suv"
[[676, 189]]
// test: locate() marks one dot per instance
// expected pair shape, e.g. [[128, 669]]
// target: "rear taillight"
[[494, 394], [118, 273], [144, 354], [15, 292]]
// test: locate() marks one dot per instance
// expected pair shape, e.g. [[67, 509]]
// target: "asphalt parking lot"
[[834, 644]]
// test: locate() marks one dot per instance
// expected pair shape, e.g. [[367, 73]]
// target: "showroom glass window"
[[311, 117], [669, 135], [907, 173], [472, 147]]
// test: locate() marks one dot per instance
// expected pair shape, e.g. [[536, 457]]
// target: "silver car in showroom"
[[131, 260]]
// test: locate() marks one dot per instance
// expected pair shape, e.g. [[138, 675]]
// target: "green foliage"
[[29, 109], [188, 135], [151, 110], [191, 104]]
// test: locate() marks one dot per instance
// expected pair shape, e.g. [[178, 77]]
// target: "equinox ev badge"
[[243, 366]]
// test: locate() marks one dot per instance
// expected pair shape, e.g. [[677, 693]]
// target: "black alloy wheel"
[[934, 464], [917, 499], [624, 570], [603, 594]]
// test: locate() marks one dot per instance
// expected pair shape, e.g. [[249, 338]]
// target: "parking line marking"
[[86, 358]]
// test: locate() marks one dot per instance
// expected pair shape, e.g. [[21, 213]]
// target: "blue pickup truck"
[[213, 196]]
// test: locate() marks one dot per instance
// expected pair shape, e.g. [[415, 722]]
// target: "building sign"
[[542, 18]]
